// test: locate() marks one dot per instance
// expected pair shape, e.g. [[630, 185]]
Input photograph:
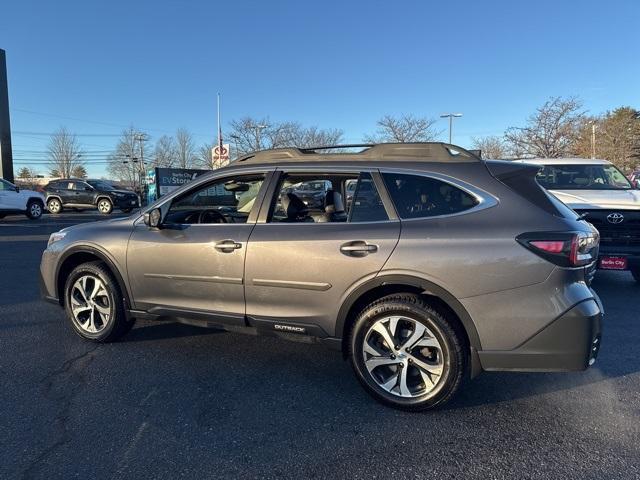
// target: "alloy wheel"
[[54, 206], [104, 206], [90, 304], [35, 210], [403, 356]]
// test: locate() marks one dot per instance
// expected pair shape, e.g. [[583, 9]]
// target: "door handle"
[[227, 246], [358, 248]]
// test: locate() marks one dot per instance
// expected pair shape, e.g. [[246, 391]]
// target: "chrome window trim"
[[485, 199]]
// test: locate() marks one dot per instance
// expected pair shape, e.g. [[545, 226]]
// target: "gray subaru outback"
[[422, 263]]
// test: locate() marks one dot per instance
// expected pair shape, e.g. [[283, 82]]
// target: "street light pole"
[[450, 115]]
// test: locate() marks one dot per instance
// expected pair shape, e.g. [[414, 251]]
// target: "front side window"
[[582, 177], [417, 196], [228, 200], [326, 198]]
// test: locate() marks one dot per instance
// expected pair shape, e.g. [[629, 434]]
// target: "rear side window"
[[417, 196], [366, 204]]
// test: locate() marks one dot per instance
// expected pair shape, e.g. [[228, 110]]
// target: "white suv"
[[14, 200]]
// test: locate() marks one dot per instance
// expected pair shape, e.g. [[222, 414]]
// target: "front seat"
[[333, 208], [294, 208]]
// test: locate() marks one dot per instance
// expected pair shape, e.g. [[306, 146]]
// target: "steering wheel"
[[211, 216]]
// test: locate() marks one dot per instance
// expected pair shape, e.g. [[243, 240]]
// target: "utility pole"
[[450, 115], [141, 137], [593, 138]]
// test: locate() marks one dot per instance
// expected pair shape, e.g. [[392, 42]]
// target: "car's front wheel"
[[34, 209], [94, 305], [407, 354], [105, 206], [54, 206]]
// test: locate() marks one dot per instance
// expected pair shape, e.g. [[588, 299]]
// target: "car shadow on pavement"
[[165, 330]]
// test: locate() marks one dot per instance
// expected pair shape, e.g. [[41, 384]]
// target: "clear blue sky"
[[334, 64]]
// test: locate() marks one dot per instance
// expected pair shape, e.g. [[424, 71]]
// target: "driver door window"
[[228, 200]]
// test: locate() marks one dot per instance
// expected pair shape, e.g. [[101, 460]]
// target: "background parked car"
[[85, 194], [602, 195], [15, 200]]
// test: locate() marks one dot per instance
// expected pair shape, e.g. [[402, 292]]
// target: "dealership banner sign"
[[161, 181]]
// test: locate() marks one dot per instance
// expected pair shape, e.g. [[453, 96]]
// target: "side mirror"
[[17, 189], [152, 218]]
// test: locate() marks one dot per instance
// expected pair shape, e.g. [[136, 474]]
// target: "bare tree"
[[204, 158], [249, 134], [79, 172], [124, 163], [492, 147], [403, 129], [165, 152], [64, 152], [551, 132], [185, 149]]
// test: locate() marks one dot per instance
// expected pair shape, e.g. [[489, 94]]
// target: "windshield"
[[100, 185], [582, 177]]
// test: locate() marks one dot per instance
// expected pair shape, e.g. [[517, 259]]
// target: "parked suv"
[[86, 194], [16, 200], [603, 196], [450, 266]]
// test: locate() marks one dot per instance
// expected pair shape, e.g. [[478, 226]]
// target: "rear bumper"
[[126, 203], [569, 343]]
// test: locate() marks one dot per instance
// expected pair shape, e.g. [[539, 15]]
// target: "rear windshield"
[[582, 177]]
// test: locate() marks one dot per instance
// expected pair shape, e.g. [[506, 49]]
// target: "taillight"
[[567, 249]]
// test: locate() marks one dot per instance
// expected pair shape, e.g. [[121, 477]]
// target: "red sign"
[[613, 263]]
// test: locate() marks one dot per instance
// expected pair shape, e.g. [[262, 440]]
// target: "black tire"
[[117, 324], [126, 210], [54, 206], [2, 215], [636, 274], [105, 206], [447, 332], [34, 209]]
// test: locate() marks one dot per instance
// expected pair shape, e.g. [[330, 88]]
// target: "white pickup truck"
[[15, 200]]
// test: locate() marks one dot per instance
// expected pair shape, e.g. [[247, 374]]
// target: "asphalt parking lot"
[[175, 401]]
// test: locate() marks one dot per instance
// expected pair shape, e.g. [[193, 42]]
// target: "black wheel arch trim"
[[103, 257], [35, 199], [426, 286]]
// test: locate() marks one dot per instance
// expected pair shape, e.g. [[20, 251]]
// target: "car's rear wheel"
[[94, 304], [105, 206], [407, 354], [54, 206], [34, 209]]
